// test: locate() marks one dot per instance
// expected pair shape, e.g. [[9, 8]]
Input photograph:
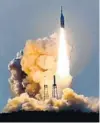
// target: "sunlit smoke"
[[63, 67], [69, 100], [27, 83]]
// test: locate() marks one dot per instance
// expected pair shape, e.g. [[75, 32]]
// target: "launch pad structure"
[[46, 95], [54, 88]]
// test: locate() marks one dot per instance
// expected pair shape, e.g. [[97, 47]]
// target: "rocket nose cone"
[[61, 9]]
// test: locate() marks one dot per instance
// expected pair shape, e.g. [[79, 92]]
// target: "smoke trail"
[[63, 67], [27, 80]]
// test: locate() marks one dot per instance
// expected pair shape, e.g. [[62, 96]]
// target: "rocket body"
[[62, 19]]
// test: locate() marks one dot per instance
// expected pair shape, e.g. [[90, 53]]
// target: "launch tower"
[[54, 88], [46, 95]]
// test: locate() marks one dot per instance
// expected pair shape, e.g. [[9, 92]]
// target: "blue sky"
[[31, 19]]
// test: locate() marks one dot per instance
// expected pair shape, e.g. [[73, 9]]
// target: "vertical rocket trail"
[[63, 68]]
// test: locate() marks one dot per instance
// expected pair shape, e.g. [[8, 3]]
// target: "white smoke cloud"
[[69, 100], [29, 94]]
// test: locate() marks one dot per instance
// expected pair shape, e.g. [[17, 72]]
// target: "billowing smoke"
[[19, 81], [69, 100], [17, 75], [38, 60]]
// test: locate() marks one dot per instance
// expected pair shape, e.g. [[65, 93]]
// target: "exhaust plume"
[[27, 80]]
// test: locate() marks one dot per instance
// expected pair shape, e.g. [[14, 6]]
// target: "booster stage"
[[62, 19]]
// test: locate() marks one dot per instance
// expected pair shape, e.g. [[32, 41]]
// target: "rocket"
[[62, 19]]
